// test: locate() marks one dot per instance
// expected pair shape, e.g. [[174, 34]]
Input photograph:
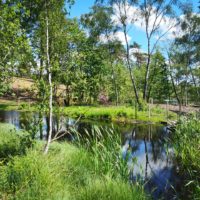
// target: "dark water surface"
[[150, 158]]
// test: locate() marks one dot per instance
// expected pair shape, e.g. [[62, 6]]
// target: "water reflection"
[[149, 158], [155, 165]]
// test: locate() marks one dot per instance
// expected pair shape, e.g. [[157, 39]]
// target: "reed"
[[186, 141]]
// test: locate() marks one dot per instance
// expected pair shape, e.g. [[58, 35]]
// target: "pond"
[[144, 144]]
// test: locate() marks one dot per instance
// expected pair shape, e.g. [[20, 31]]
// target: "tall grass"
[[104, 145], [66, 173], [186, 141], [108, 189]]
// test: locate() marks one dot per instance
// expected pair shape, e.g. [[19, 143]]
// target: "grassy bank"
[[186, 141], [8, 105], [125, 114], [67, 172]]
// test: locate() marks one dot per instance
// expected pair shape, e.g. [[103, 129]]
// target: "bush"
[[23, 106], [11, 142], [121, 114]]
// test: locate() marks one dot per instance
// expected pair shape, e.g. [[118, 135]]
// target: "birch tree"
[[157, 18], [123, 20]]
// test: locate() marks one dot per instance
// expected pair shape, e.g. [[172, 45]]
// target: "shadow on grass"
[[3, 107], [7, 107]]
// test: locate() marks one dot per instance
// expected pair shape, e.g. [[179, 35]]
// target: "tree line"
[[39, 39]]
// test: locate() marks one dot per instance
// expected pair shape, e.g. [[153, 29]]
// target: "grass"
[[109, 189], [117, 113], [8, 105], [186, 141], [123, 114], [68, 172]]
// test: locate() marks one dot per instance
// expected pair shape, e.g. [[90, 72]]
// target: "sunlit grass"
[[118, 113], [123, 114], [68, 172]]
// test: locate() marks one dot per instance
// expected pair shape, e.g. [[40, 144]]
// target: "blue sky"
[[83, 6], [80, 7]]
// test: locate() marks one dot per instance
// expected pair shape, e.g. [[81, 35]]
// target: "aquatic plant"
[[104, 145], [186, 141]]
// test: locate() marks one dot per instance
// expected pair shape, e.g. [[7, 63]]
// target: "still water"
[[150, 157]]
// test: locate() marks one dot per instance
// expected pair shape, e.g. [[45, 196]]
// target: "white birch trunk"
[[50, 84]]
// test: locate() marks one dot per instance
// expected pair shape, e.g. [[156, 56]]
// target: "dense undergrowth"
[[67, 172], [186, 141]]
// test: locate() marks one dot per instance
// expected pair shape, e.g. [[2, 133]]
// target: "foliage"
[[12, 143], [186, 141], [159, 88], [12, 36]]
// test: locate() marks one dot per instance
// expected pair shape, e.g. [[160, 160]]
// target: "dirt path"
[[184, 109]]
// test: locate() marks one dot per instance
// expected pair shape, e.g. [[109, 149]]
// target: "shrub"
[[12, 142]]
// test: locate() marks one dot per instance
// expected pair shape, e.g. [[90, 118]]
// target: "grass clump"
[[66, 172], [109, 189], [186, 142], [30, 177], [37, 176], [104, 145]]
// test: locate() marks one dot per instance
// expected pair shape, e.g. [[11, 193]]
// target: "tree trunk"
[[50, 83], [146, 84], [115, 85], [113, 72], [175, 91], [129, 66]]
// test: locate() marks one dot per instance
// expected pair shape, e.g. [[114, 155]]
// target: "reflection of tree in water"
[[147, 144], [29, 122]]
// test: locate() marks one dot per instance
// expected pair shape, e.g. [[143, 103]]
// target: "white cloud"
[[135, 19], [119, 35], [131, 13]]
